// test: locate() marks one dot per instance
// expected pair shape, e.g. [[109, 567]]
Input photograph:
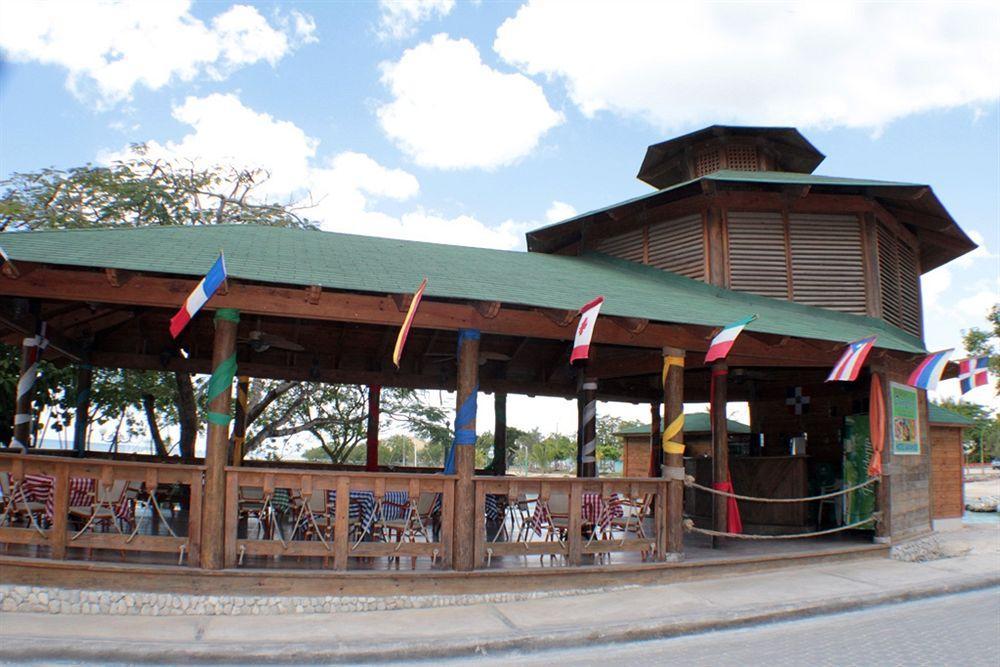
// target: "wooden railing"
[[341, 545], [626, 493], [55, 531]]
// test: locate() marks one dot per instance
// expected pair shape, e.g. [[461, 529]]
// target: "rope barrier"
[[691, 528], [689, 481]]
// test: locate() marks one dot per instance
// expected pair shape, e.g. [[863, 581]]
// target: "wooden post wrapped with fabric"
[[500, 434], [462, 458], [588, 428], [877, 466], [240, 419], [220, 397], [371, 433], [673, 449], [720, 446], [81, 412], [31, 353]]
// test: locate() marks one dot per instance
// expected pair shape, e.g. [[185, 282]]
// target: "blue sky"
[[472, 122]]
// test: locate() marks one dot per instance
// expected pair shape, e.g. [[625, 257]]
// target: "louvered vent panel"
[[678, 246], [757, 261], [888, 274], [827, 262], [626, 246], [741, 158], [707, 162], [909, 288]]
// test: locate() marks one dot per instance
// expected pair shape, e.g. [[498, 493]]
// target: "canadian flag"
[[585, 330]]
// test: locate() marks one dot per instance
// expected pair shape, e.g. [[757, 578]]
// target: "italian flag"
[[724, 340]]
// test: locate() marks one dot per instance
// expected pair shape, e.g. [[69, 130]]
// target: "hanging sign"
[[905, 422]]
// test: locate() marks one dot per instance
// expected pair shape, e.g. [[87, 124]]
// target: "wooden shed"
[[697, 438], [947, 462]]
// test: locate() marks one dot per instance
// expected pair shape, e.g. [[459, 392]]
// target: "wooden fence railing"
[[53, 528], [257, 487], [530, 499]]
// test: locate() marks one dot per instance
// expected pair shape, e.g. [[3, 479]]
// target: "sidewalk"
[[621, 615]]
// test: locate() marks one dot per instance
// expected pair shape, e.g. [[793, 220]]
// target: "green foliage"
[[609, 445], [979, 342], [982, 440]]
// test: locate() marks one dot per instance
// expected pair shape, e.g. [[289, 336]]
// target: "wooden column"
[[217, 444], [371, 435], [720, 444], [673, 449], [655, 435], [81, 413], [500, 434], [24, 392], [240, 418], [587, 429], [465, 449], [717, 270]]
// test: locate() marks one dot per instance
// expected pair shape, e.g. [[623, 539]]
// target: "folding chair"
[[16, 505], [312, 517], [554, 516], [101, 510], [418, 517]]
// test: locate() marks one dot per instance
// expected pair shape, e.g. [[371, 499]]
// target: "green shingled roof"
[[380, 265], [694, 422], [942, 415]]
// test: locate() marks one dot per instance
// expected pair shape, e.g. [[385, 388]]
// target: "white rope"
[[689, 481], [691, 528]]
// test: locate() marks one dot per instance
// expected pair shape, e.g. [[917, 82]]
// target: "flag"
[[972, 373], [927, 374], [850, 363], [725, 339], [201, 294], [585, 330], [404, 331], [4, 257]]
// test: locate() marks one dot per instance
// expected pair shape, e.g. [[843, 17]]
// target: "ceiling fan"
[[261, 341], [484, 357]]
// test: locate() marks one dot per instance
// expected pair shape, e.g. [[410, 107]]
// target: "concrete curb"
[[57, 648]]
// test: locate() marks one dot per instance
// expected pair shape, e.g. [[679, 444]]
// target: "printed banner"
[[905, 419]]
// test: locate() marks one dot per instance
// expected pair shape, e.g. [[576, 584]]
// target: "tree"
[[979, 342], [982, 439], [609, 445]]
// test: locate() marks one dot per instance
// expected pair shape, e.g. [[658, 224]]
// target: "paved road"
[[959, 629]]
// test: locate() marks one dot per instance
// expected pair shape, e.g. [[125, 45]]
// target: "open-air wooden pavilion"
[[737, 226]]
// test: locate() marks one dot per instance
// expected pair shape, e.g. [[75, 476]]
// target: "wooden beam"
[[117, 277], [465, 452], [313, 293], [633, 325], [672, 453], [57, 343], [488, 309], [561, 318]]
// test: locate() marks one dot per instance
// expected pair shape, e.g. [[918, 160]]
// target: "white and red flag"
[[725, 339], [850, 363], [585, 330]]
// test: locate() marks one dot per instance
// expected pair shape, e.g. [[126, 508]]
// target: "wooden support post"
[[60, 512], [217, 446], [371, 435], [465, 449], [240, 419], [720, 445], [31, 354], [500, 434], [588, 428], [673, 449], [655, 434], [81, 414]]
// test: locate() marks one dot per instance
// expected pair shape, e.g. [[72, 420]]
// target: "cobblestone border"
[[40, 599]]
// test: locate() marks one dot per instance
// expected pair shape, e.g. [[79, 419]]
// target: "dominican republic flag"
[[972, 373], [201, 294], [852, 360], [404, 331], [724, 340], [585, 330], [927, 374]]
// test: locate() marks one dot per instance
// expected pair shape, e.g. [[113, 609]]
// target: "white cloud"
[[806, 64], [399, 18], [452, 111], [559, 211], [981, 252], [342, 190], [932, 285], [109, 48]]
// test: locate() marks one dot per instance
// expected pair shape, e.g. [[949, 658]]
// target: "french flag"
[[972, 373], [725, 339], [585, 330], [201, 294], [852, 360], [927, 374]]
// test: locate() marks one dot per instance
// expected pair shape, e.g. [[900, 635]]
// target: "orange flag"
[[404, 330]]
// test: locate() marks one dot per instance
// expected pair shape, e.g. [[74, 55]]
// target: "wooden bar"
[[673, 407], [341, 526], [240, 418], [720, 445], [81, 415], [216, 454], [195, 493], [60, 509], [575, 524], [465, 454], [655, 440], [447, 521]]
